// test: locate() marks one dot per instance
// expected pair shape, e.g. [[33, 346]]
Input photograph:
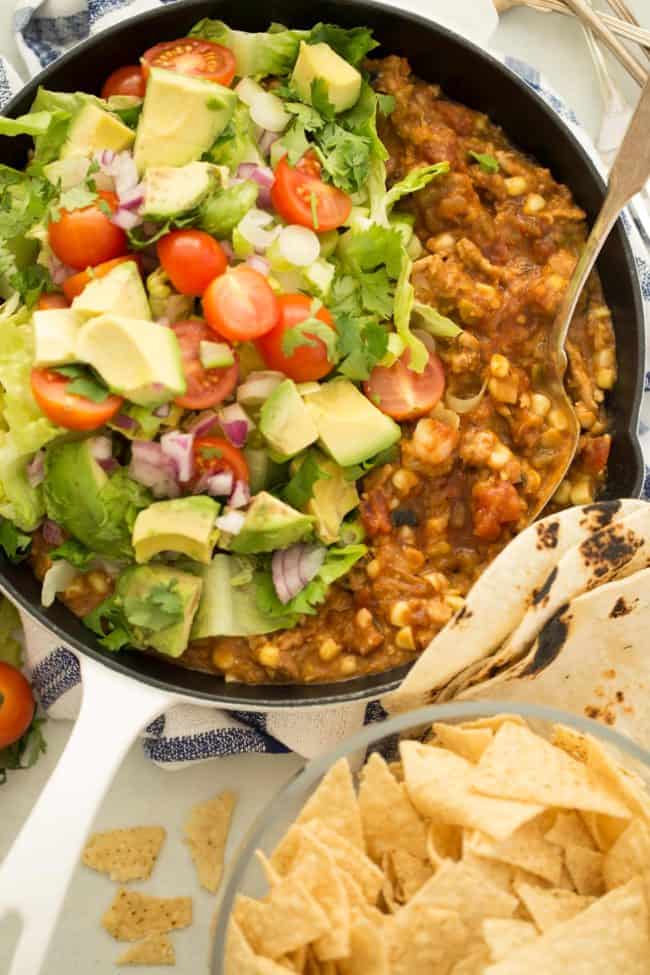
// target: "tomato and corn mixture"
[[302, 358]]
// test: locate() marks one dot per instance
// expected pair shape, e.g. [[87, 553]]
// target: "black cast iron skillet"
[[466, 74]]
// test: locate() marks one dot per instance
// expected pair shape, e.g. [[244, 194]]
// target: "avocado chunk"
[[137, 359], [350, 428], [159, 603], [285, 421], [181, 118], [98, 510], [120, 292], [67, 173], [318, 62], [263, 471], [332, 499], [55, 336], [183, 525], [270, 524], [228, 604], [171, 191], [92, 130]]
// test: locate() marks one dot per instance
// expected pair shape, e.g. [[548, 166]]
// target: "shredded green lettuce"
[[404, 300], [416, 180], [257, 55], [436, 324]]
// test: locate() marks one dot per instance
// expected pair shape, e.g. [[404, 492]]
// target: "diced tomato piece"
[[495, 503], [375, 513], [595, 454]]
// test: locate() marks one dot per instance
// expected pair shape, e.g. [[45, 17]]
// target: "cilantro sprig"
[[84, 382]]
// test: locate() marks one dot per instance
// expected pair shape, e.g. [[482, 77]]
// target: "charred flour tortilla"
[[548, 563]]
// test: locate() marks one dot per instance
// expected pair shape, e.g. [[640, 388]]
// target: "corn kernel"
[[437, 581], [534, 203], [533, 481], [605, 359], [556, 282], [400, 612], [558, 419], [404, 638], [269, 655], [454, 601], [516, 185], [439, 548], [499, 457], [443, 243], [348, 665], [499, 366], [551, 438], [563, 493], [223, 658], [98, 582], [586, 417], [540, 404], [405, 480], [605, 378], [581, 492], [373, 569], [329, 649], [503, 390], [364, 618]]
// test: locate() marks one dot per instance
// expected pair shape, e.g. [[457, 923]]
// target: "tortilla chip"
[[132, 915], [125, 854], [604, 830], [586, 870], [550, 907], [156, 950], [285, 921], [426, 940], [473, 963], [521, 765], [335, 803], [469, 743], [621, 782], [609, 936], [496, 872], [206, 833], [570, 740], [444, 842], [240, 959], [349, 859], [439, 785], [368, 951], [316, 871], [493, 722], [405, 875], [388, 817], [461, 888], [504, 936], [527, 848], [629, 856], [569, 830]]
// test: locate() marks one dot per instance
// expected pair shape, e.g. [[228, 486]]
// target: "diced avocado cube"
[[182, 525], [319, 62], [319, 276], [270, 524], [171, 191], [333, 498], [227, 609], [67, 172], [263, 472], [55, 336], [285, 421], [215, 355], [181, 118], [120, 292], [136, 358], [350, 428], [92, 130], [135, 588]]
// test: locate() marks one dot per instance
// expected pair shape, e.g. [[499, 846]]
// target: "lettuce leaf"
[[404, 301], [257, 54], [352, 44]]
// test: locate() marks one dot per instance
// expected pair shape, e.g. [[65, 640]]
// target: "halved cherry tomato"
[[84, 238], [74, 285], [191, 55], [128, 80], [66, 409], [307, 362], [192, 259], [49, 301], [205, 387], [240, 305], [16, 705], [300, 196], [402, 393], [212, 455]]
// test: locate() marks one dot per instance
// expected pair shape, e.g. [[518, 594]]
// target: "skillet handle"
[[36, 873]]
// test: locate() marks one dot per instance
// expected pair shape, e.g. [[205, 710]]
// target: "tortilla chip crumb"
[[125, 854], [133, 916], [206, 834], [155, 950]]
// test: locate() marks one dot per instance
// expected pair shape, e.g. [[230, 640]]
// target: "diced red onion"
[[259, 386], [294, 567], [125, 219], [231, 522], [125, 422], [151, 467], [226, 247], [162, 411], [36, 469], [52, 533], [101, 448], [179, 448], [109, 465], [264, 178], [203, 423], [259, 263], [57, 578], [132, 199], [220, 485], [240, 496], [266, 140], [125, 173], [59, 272], [235, 424]]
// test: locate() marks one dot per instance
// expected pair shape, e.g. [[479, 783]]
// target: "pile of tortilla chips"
[[559, 618], [486, 849]]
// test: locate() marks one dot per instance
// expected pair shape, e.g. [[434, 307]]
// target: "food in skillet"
[[269, 353]]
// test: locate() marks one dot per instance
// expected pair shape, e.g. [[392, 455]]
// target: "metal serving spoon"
[[628, 176]]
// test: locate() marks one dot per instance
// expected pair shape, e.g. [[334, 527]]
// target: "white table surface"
[[143, 794]]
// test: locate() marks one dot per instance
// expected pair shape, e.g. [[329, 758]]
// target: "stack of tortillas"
[[560, 618]]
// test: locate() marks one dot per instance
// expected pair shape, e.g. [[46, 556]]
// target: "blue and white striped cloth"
[[43, 30]]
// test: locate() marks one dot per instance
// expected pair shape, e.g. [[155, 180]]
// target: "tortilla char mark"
[[541, 594], [602, 511], [550, 641], [608, 550], [620, 608], [548, 535]]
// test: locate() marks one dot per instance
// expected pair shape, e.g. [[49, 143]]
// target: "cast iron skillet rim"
[[369, 686]]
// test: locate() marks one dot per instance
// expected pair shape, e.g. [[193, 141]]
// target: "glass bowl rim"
[[315, 768]]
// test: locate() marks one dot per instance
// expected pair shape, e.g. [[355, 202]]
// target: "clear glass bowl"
[[246, 875]]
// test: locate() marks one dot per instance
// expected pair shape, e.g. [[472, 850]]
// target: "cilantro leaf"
[[363, 342], [77, 197], [307, 333], [487, 162], [14, 543], [108, 623], [161, 607], [84, 383], [301, 486], [31, 282], [344, 155], [295, 143], [138, 240], [74, 552]]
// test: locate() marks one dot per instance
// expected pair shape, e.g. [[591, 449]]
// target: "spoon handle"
[[628, 176]]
